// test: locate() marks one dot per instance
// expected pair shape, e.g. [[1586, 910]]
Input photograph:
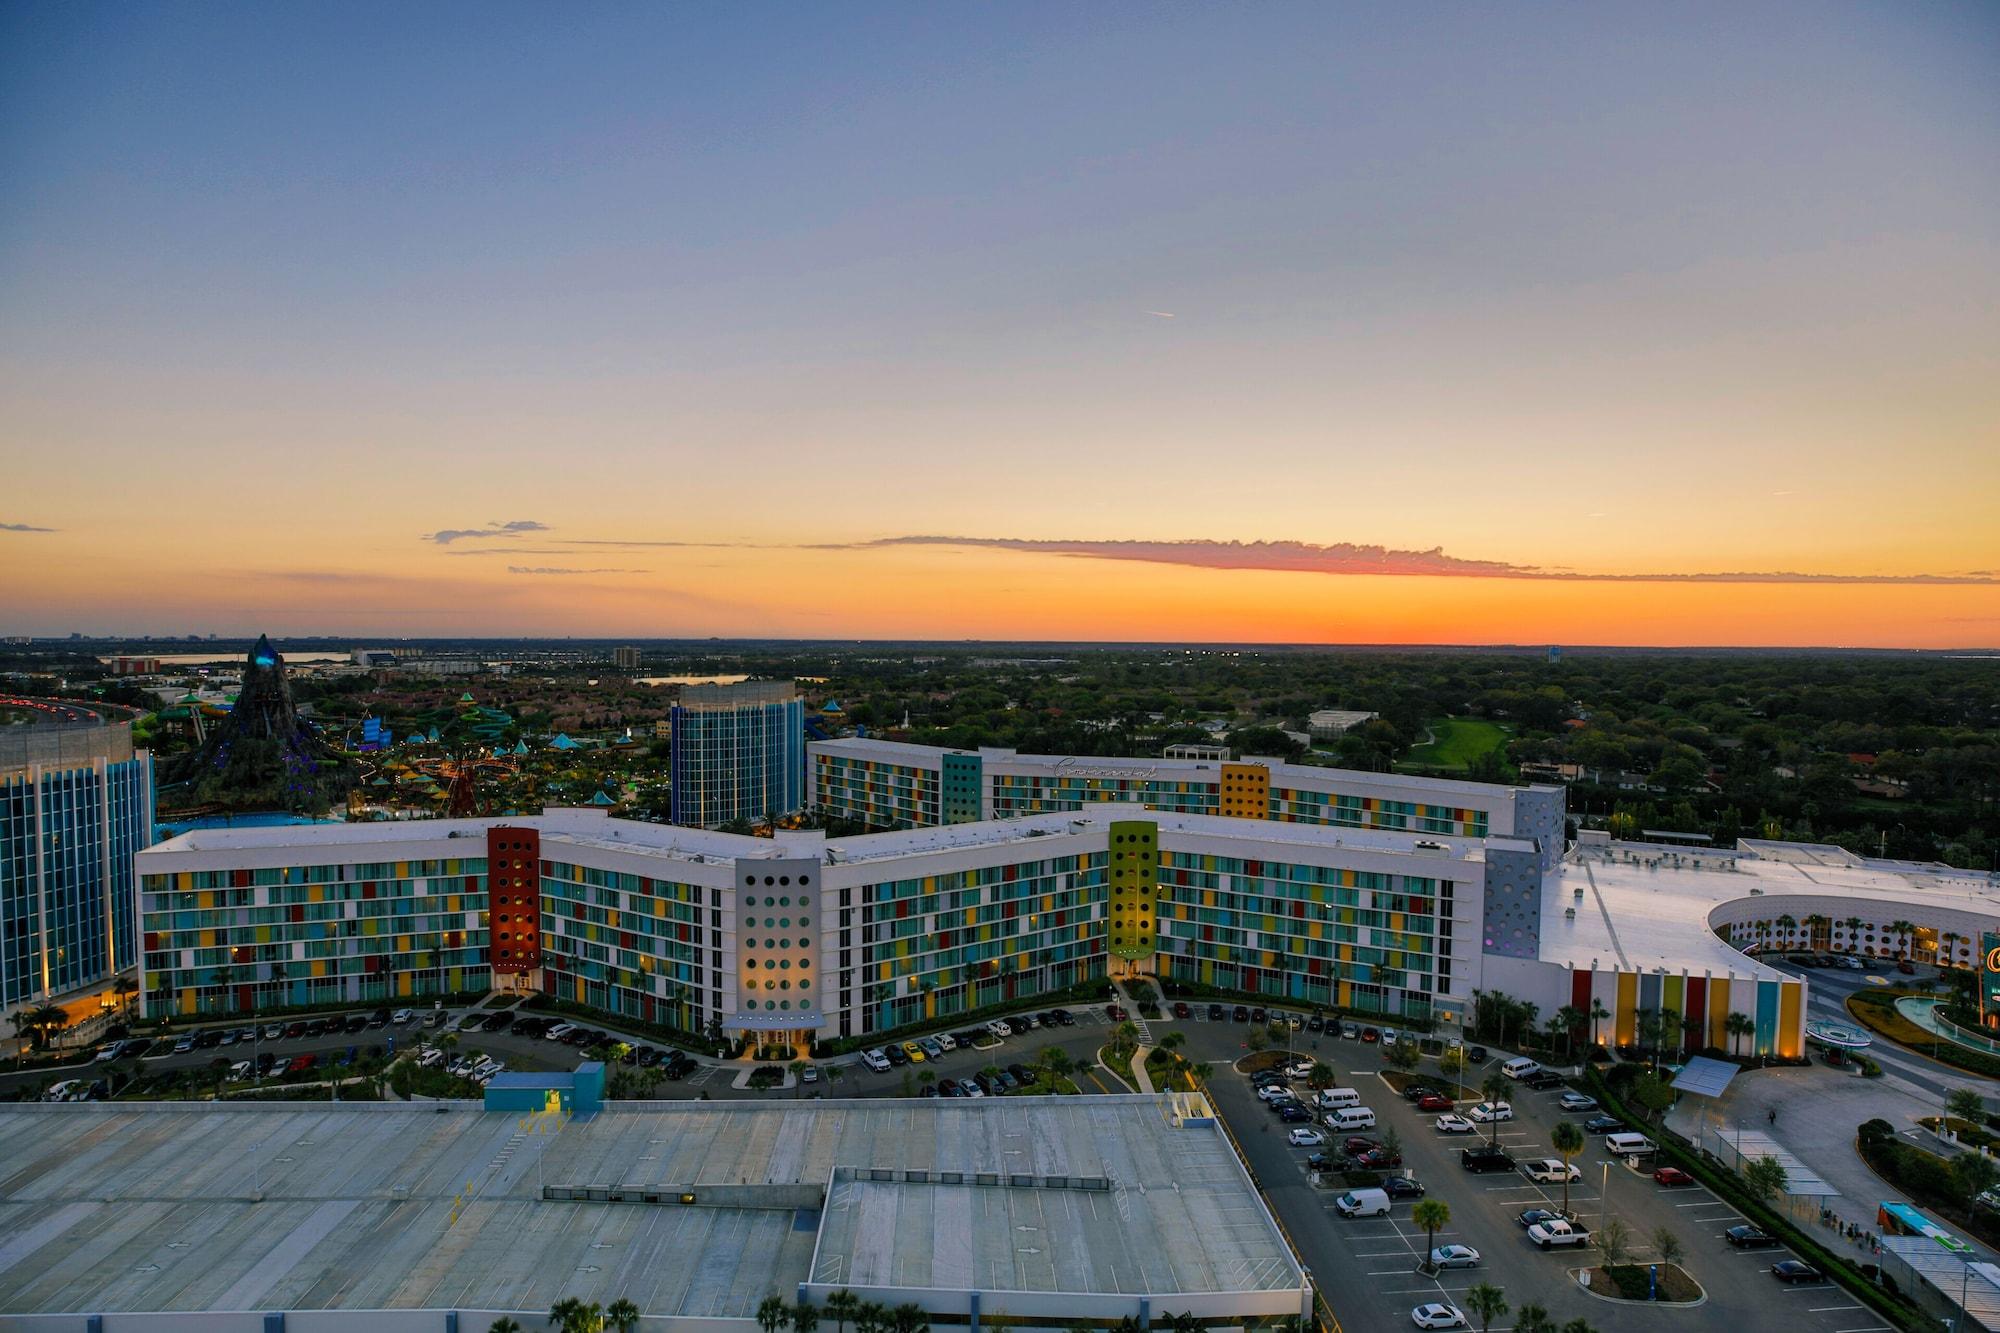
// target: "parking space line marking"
[[1822, 1309], [1872, 1328]]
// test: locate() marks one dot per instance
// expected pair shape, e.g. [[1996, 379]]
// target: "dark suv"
[[1480, 1161]]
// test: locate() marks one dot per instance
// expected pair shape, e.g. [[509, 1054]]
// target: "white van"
[[1352, 1117], [1335, 1099], [1629, 1145], [1362, 1203], [1520, 1067]]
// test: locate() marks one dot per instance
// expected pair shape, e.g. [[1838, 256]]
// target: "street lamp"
[[1604, 1195]]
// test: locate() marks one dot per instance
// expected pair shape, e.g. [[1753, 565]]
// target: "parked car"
[[1370, 1035], [1550, 1171], [559, 1031], [1258, 1015], [1418, 1091], [1317, 1023], [1434, 1101], [1064, 1017], [1437, 1315], [1577, 1101], [1672, 1177], [1378, 1159], [1241, 1013], [240, 1071], [897, 1055], [1603, 1124], [1215, 1013], [1453, 1124], [184, 1045], [1115, 1012], [1402, 1187], [294, 1030], [1181, 1009], [877, 1060], [1351, 1031], [945, 1041], [1488, 1112], [1476, 1055], [1481, 1161], [106, 1054], [403, 1016], [1454, 1256], [1750, 1238], [1535, 1217], [1795, 1271], [1543, 1080], [1302, 1137], [929, 1048]]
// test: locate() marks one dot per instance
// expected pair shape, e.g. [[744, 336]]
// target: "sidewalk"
[[1818, 1110]]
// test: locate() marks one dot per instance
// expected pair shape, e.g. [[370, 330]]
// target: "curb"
[[1593, 1293]]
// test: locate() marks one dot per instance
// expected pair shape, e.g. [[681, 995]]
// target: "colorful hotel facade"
[[805, 935], [888, 784]]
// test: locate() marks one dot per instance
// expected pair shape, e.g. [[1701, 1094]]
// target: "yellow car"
[[914, 1051]]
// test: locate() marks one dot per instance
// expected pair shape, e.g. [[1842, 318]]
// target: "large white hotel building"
[[1015, 877]]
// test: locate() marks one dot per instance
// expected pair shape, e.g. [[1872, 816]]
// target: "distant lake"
[[690, 680]]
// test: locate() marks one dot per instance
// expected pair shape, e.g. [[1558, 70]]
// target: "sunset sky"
[[1319, 323]]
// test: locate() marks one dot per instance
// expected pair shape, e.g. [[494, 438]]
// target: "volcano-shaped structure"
[[264, 756]]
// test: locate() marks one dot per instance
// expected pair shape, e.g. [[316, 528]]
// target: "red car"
[[301, 1064], [1357, 1145], [1378, 1160], [1115, 1012], [1370, 1034], [1672, 1175], [1180, 1009], [1433, 1101]]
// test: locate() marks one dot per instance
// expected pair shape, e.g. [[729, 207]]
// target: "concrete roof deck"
[[155, 1207], [1647, 906]]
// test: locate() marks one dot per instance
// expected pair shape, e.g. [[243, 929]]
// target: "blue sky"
[[1423, 268]]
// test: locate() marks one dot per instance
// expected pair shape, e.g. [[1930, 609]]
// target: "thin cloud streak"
[[1351, 558], [494, 528], [25, 527], [552, 569]]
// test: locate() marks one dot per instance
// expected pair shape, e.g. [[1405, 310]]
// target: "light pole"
[[1604, 1196]]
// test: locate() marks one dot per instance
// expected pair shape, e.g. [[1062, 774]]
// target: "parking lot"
[[1367, 1266]]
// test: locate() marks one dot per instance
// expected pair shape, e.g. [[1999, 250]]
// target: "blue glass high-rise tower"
[[739, 752], [76, 804]]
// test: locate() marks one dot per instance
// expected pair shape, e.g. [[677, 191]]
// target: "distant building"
[[1332, 723], [135, 666], [1212, 753], [76, 804], [373, 657], [738, 752], [625, 659], [442, 666]]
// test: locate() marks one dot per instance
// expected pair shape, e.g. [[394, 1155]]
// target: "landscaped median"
[[1634, 1282], [1673, 1150], [1875, 1008]]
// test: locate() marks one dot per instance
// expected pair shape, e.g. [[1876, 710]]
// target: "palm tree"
[[1904, 931], [1184, 1322], [1533, 1319], [1598, 1013], [872, 1317], [1647, 1027], [622, 1315], [1816, 932], [128, 990], [1433, 1215], [1487, 1303], [1853, 925], [504, 1324], [1568, 1141], [805, 1317], [797, 1069], [909, 1317], [48, 1020], [843, 1305], [773, 1314], [1671, 1024], [1573, 1021], [563, 1314], [1056, 1064], [1788, 924], [1495, 1087], [1738, 1025]]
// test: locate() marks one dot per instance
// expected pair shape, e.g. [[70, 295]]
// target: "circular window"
[[768, 881], [784, 923], [784, 1004], [785, 880], [750, 902], [805, 879], [805, 1004], [805, 900], [804, 963], [805, 921], [750, 963], [784, 902], [805, 985], [784, 964]]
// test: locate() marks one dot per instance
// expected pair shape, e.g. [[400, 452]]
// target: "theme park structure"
[[262, 755]]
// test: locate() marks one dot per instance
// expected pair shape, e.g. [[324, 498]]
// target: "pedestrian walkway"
[[1145, 1079]]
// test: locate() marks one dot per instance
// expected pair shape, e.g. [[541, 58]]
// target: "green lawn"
[[1459, 740]]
